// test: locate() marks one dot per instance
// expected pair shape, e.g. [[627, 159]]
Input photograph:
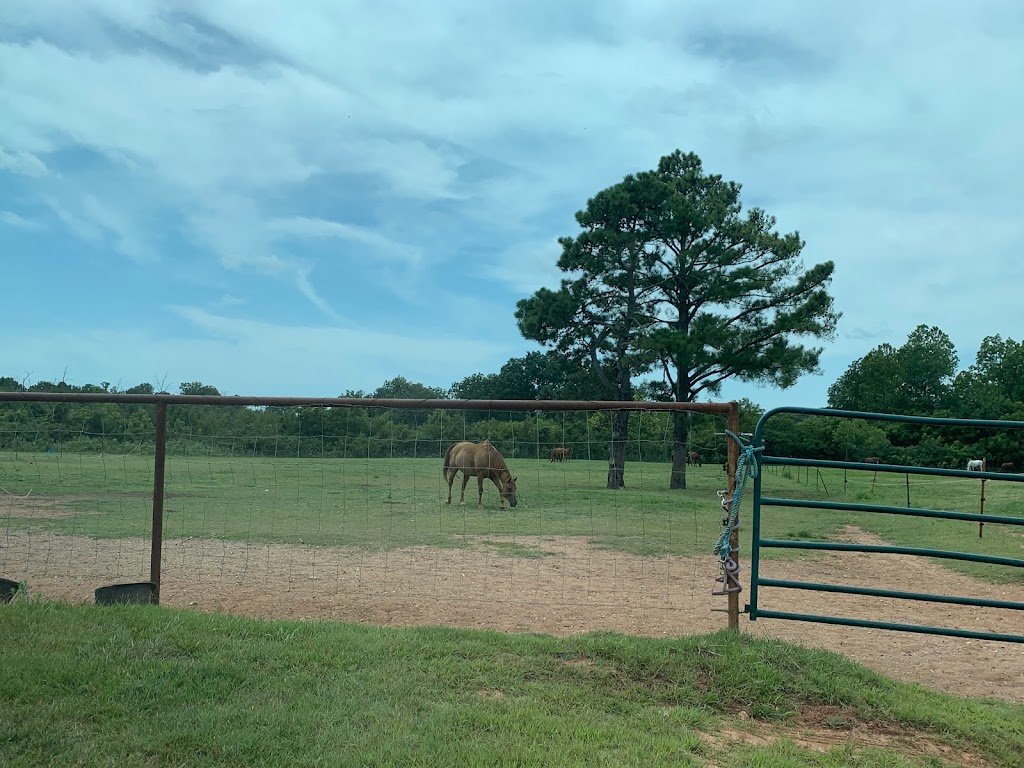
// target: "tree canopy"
[[912, 379], [668, 273]]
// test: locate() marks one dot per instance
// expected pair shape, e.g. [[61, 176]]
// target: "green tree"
[[197, 388], [674, 275], [1000, 363], [600, 317], [914, 379], [733, 298], [401, 388]]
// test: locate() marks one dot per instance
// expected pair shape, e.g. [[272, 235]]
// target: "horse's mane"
[[494, 458]]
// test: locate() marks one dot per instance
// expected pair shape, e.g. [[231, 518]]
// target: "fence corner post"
[[159, 463], [734, 538]]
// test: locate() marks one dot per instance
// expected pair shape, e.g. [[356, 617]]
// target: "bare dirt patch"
[[816, 738], [572, 588]]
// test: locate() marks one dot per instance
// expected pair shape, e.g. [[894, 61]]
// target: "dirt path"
[[560, 586]]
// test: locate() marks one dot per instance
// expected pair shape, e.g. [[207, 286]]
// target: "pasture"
[[389, 504], [371, 540]]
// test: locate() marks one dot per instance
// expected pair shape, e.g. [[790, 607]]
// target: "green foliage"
[[914, 379], [667, 270]]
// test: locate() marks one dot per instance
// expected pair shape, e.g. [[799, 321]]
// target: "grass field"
[[94, 686], [382, 504]]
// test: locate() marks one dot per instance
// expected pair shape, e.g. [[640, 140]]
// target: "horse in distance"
[[692, 457], [561, 454], [975, 465], [480, 460]]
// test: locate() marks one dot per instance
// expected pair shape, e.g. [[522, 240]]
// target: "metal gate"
[[763, 504]]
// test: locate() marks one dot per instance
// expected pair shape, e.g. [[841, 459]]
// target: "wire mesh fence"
[[334, 509]]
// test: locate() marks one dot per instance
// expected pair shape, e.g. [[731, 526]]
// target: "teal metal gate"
[[760, 502]]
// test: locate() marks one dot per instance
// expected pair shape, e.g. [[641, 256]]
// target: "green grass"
[[382, 504], [100, 686]]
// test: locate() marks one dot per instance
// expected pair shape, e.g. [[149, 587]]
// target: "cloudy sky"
[[299, 199]]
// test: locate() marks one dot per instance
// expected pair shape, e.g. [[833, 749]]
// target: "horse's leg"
[[462, 494], [480, 489], [450, 477], [501, 499]]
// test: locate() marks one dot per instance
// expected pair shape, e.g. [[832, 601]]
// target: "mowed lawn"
[[388, 503]]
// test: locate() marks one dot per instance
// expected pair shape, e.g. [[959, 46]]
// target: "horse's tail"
[[448, 457]]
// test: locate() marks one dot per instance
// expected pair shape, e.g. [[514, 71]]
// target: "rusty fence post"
[[159, 463], [734, 538]]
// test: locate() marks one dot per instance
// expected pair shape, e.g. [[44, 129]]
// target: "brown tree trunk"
[[680, 441], [617, 452]]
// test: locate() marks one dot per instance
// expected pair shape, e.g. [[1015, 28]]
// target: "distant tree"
[[912, 379], [7, 384], [197, 388], [477, 386], [1000, 363], [403, 389]]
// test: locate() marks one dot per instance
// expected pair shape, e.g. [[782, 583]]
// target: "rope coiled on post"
[[746, 468]]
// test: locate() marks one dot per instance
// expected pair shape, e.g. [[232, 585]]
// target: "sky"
[[303, 199]]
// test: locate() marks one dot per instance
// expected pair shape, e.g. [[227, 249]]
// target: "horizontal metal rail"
[[893, 550], [901, 469], [919, 628], [365, 402], [981, 602], [872, 416], [844, 506]]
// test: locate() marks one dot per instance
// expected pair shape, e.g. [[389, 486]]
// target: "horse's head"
[[508, 488]]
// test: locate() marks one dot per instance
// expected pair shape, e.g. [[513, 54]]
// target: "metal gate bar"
[[760, 501]]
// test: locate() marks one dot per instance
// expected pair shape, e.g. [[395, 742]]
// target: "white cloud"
[[306, 227], [453, 147], [22, 162], [12, 219]]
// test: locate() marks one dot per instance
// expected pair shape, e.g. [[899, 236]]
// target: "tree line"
[[353, 431], [921, 377]]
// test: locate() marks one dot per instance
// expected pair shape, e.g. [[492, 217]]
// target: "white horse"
[[975, 465]]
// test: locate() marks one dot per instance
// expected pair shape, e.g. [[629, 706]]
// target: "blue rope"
[[746, 467]]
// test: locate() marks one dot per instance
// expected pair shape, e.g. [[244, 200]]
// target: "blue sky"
[[300, 199]]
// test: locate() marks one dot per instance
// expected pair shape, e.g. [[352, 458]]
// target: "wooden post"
[[159, 463], [734, 539]]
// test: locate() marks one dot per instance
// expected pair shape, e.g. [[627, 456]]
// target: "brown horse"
[[872, 460], [1006, 466], [561, 454], [692, 457], [480, 460]]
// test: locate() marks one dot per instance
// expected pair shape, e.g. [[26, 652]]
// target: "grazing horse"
[[561, 454], [975, 465], [692, 457], [1007, 466], [872, 460], [480, 460]]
